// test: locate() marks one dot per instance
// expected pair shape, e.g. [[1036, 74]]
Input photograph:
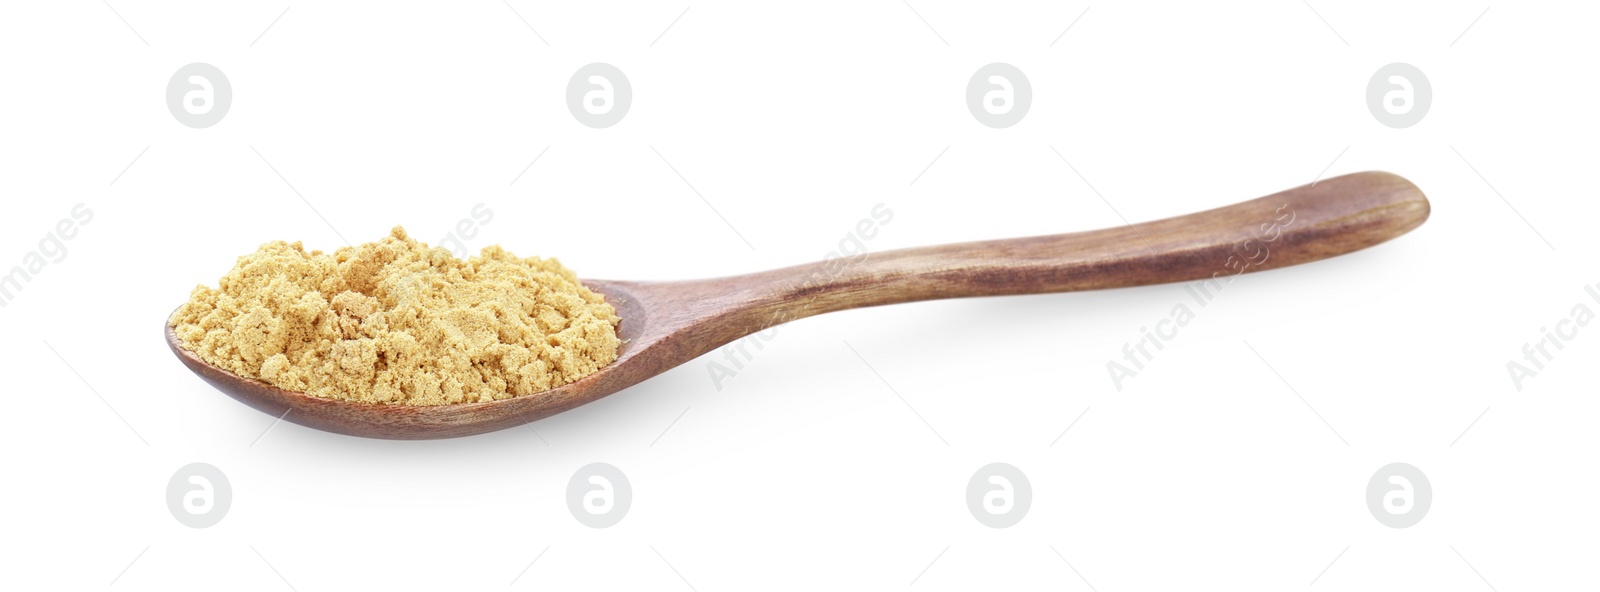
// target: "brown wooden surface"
[[668, 323]]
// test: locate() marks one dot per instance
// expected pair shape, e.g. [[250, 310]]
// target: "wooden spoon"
[[665, 324]]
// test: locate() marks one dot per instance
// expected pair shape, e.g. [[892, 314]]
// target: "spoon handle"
[[1328, 218]]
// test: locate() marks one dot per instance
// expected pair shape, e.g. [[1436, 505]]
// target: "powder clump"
[[397, 322]]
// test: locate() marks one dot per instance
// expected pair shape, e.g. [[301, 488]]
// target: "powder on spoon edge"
[[397, 322]]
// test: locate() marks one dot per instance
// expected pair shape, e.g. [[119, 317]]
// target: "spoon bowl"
[[665, 324], [424, 422]]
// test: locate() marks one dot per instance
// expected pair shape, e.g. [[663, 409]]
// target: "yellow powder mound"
[[397, 322]]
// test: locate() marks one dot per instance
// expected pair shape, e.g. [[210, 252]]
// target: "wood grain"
[[665, 324]]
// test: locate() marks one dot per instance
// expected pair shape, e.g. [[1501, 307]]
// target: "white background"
[[806, 470]]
